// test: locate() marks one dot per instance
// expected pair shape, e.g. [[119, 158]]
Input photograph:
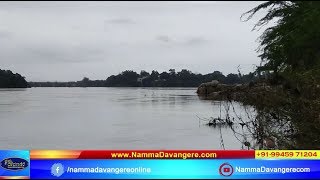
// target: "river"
[[110, 118]]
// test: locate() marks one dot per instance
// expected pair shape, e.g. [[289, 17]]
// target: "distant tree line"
[[128, 78], [11, 80]]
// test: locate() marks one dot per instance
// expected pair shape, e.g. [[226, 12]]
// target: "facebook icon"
[[57, 169]]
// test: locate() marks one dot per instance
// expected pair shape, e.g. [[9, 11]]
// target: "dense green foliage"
[[184, 78], [290, 50], [11, 80], [293, 43]]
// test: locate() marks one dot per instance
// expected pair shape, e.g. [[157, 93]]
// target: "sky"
[[66, 41]]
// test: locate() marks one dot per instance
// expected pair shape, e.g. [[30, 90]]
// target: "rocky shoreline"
[[238, 92]]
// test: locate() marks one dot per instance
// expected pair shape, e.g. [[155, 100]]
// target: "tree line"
[[8, 79], [129, 78]]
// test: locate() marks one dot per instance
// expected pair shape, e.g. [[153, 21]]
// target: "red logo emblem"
[[226, 169]]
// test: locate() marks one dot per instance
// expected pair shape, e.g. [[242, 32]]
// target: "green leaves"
[[294, 42]]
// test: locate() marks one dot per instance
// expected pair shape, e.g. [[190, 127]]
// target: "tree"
[[85, 82], [184, 75], [164, 75], [216, 75], [292, 44], [128, 78], [172, 71], [154, 75], [232, 79], [11, 80], [144, 73]]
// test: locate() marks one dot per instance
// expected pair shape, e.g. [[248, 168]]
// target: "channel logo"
[[226, 169], [15, 164]]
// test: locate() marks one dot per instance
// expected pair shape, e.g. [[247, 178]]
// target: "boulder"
[[212, 83]]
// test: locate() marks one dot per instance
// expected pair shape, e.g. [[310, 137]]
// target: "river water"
[[110, 118]]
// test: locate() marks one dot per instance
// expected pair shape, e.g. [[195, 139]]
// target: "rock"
[[213, 83], [213, 86], [218, 91], [202, 89], [215, 95], [207, 88]]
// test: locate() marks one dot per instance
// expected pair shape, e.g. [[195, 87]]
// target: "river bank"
[[288, 115], [237, 92]]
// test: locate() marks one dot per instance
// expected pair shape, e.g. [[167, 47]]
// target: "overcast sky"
[[65, 41]]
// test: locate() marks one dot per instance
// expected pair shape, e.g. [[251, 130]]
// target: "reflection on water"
[[112, 118]]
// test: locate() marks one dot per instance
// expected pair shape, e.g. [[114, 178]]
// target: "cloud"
[[164, 38], [5, 34], [181, 41], [196, 41], [32, 54], [120, 21]]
